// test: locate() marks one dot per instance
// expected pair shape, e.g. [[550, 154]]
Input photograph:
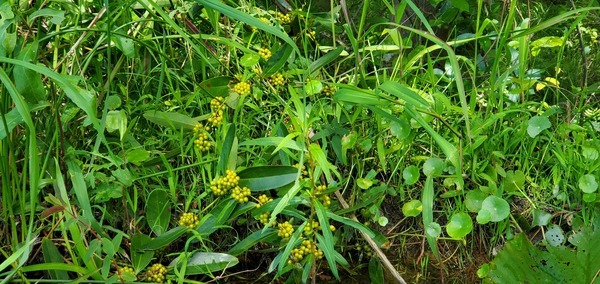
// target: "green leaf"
[[273, 141], [140, 259], [375, 271], [555, 236], [427, 200], [433, 230], [541, 217], [116, 120], [124, 44], [364, 183], [171, 119], [319, 156], [13, 118], [123, 176], [433, 167], [251, 240], [82, 98], [459, 226], [326, 241], [136, 156], [112, 102], [462, 5], [56, 16], [412, 208], [588, 184], [411, 175], [378, 238], [313, 87], [217, 86], [277, 60], [52, 255], [545, 42], [158, 211], [325, 59], [164, 239], [225, 149], [497, 208], [205, 262], [514, 180], [474, 199], [249, 59], [28, 82], [267, 177], [359, 96], [537, 124]]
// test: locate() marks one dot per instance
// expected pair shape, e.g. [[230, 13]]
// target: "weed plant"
[[189, 141]]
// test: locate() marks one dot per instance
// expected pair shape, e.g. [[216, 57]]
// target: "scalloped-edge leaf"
[[267, 177]]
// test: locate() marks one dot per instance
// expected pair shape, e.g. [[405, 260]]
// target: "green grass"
[[415, 139]]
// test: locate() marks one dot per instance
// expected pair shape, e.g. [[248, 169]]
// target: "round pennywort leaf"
[[459, 226], [433, 230], [433, 167], [497, 207], [412, 208], [411, 175], [588, 184]]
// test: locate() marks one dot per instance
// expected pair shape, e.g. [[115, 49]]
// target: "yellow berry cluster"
[[156, 273], [262, 200], [311, 34], [329, 90], [277, 79], [285, 230], [240, 194], [311, 227], [304, 173], [202, 142], [307, 247], [217, 105], [124, 270], [221, 185], [324, 198], [264, 218], [242, 88], [265, 53], [189, 220], [285, 19]]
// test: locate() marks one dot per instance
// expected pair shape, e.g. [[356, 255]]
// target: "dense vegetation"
[[255, 141]]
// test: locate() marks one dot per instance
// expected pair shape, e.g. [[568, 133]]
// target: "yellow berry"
[[265, 53]]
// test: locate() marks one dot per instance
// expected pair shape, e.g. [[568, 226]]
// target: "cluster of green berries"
[[311, 227], [217, 105], [264, 218], [265, 53], [285, 19], [156, 273], [364, 248], [262, 200], [277, 79], [285, 230], [221, 185], [242, 88], [240, 194], [307, 247], [202, 141], [189, 220], [329, 90], [124, 270]]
